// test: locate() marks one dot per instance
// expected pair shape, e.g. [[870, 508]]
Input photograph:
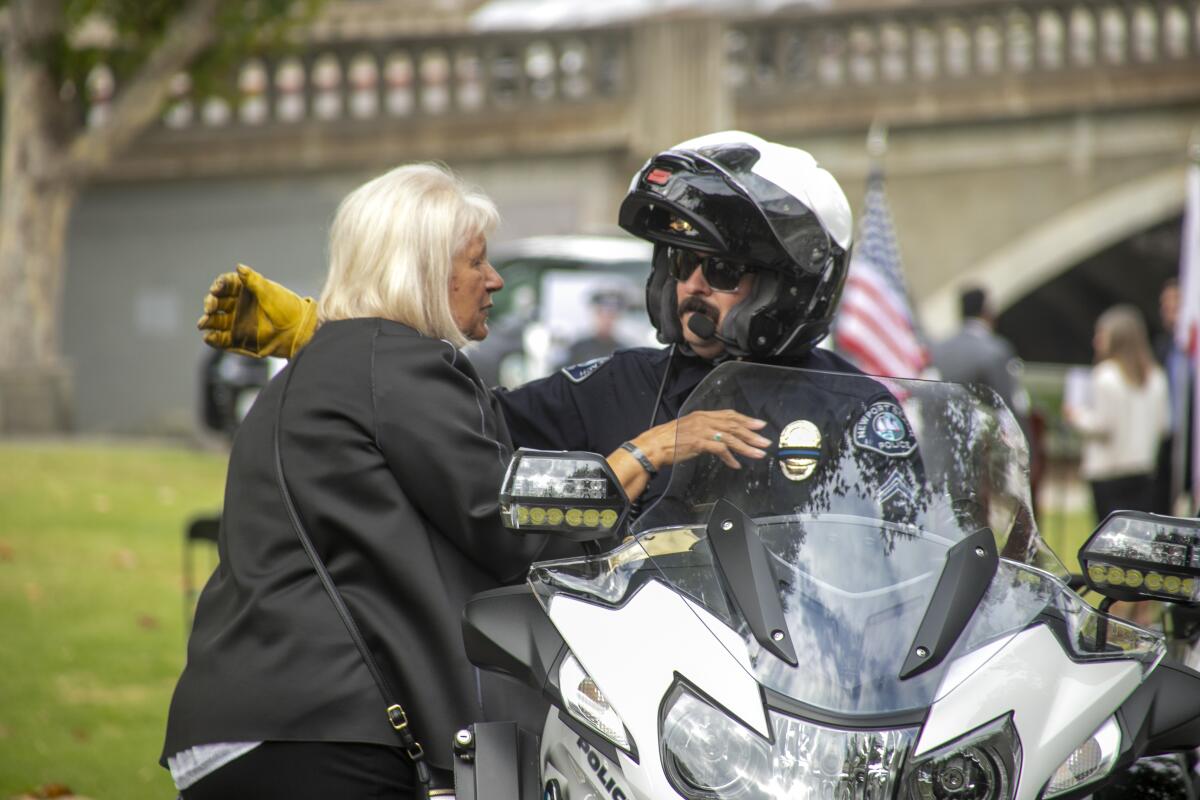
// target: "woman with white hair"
[[380, 442]]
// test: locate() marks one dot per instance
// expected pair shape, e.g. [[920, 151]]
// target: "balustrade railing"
[[372, 81], [862, 55], [943, 44]]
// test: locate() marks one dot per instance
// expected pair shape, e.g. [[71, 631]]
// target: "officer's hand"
[[248, 314], [724, 434]]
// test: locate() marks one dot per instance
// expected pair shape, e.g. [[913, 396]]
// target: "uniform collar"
[[687, 372]]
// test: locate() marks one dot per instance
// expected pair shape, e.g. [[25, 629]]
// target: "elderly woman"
[[393, 455]]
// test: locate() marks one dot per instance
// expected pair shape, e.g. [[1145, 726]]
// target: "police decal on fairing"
[[600, 768], [882, 429]]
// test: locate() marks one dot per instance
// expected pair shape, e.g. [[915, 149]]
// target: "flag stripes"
[[875, 327]]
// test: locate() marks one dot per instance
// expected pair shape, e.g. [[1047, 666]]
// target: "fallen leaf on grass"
[[6, 551], [48, 790], [33, 593], [148, 622], [80, 735], [125, 559]]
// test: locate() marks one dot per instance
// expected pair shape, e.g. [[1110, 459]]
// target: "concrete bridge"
[[1030, 141]]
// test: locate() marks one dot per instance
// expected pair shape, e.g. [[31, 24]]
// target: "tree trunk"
[[35, 208], [46, 161]]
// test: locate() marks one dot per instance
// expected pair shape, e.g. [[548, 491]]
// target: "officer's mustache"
[[704, 322]]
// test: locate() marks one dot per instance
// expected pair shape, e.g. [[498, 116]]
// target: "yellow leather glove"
[[248, 314]]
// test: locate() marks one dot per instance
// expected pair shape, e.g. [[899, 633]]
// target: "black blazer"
[[394, 455]]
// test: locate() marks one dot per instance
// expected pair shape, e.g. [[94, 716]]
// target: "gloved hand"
[[248, 314]]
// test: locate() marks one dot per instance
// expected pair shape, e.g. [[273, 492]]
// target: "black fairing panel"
[[968, 572], [506, 631], [1175, 715], [500, 764]]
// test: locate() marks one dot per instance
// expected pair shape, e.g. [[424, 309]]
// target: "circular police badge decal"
[[882, 429], [799, 450]]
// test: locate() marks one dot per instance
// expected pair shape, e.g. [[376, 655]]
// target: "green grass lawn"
[[91, 610]]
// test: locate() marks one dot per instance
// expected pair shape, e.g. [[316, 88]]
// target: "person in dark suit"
[[394, 453], [1173, 469], [977, 354]]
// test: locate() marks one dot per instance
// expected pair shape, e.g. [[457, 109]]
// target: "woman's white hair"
[[392, 247]]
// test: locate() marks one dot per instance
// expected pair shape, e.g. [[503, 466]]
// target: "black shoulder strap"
[[395, 712]]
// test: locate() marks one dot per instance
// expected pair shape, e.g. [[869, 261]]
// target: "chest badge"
[[882, 429], [799, 450]]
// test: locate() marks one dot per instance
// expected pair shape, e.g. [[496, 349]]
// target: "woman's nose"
[[495, 282]]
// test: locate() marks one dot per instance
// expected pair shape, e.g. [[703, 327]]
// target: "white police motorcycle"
[[867, 613]]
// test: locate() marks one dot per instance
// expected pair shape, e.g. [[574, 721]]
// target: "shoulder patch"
[[883, 429], [578, 373]]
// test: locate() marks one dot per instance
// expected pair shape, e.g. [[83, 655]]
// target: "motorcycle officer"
[[752, 242]]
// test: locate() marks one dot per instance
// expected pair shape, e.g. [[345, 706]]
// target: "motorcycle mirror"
[[572, 493], [1138, 556]]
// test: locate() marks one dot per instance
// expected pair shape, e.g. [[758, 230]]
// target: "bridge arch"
[[1060, 243]]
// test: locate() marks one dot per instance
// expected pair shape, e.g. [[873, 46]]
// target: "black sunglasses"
[[720, 274]]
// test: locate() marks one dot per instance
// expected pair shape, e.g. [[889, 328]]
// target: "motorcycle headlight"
[[1091, 761], [586, 703], [980, 766], [708, 755]]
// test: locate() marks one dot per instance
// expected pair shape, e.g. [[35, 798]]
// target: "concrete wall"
[[1006, 204], [142, 255]]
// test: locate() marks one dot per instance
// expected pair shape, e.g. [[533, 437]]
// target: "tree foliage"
[[123, 34], [49, 151]]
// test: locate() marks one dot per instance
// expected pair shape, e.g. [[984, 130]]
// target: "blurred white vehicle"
[[546, 305]]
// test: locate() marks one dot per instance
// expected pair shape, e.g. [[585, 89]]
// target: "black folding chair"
[[199, 530]]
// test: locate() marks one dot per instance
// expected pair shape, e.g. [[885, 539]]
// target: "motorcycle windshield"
[[867, 487]]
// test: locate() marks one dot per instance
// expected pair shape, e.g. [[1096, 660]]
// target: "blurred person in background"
[[977, 354], [606, 307], [1125, 415], [1173, 470]]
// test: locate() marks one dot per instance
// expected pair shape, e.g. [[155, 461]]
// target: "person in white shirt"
[[1126, 416]]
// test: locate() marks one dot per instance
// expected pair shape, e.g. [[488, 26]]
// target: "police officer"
[[751, 248], [752, 243]]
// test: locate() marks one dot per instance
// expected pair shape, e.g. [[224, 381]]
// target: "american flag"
[[875, 327]]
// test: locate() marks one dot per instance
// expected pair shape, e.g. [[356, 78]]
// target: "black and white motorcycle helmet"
[[735, 196]]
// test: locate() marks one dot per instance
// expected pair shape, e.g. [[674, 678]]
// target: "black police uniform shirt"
[[597, 405], [864, 461]]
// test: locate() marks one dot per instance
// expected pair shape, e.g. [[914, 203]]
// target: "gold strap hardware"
[[397, 717]]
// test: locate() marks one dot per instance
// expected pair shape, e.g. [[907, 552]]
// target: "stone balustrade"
[[939, 44], [372, 81], [927, 62], [941, 62]]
